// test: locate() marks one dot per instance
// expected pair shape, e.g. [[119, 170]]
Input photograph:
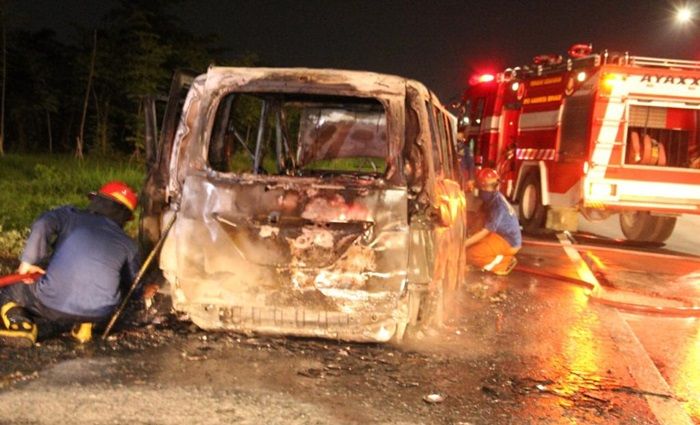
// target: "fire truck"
[[591, 133]]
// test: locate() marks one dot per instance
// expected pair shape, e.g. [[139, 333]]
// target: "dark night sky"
[[437, 42]]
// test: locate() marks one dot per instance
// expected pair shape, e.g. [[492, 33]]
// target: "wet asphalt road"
[[526, 349]]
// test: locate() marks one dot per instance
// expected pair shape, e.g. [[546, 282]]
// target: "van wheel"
[[640, 226], [532, 213]]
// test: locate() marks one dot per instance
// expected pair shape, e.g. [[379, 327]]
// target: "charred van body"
[[309, 202]]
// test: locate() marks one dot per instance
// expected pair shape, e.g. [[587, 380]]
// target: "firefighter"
[[92, 257], [493, 248]]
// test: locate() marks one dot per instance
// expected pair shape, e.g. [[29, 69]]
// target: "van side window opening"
[[445, 141], [443, 132], [440, 123], [451, 148], [273, 133], [414, 164]]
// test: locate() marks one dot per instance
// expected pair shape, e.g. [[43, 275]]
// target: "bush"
[[11, 244], [30, 185]]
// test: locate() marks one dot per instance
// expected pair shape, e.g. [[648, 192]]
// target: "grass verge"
[[32, 184]]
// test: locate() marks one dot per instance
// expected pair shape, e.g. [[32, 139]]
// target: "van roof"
[[296, 79]]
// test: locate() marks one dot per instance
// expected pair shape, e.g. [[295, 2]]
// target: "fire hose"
[[688, 311], [16, 278], [139, 276], [617, 250]]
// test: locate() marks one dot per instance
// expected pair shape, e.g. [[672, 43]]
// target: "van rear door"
[[295, 226]]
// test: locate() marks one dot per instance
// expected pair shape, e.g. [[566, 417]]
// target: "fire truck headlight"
[[581, 77], [515, 86], [610, 81]]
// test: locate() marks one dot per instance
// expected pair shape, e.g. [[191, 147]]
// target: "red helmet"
[[487, 179], [120, 192]]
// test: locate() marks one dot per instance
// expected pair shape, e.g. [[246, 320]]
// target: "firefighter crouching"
[[493, 248], [92, 257]]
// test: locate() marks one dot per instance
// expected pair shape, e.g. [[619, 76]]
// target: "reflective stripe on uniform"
[[493, 263], [3, 313]]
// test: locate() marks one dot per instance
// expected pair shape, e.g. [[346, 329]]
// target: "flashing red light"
[[486, 78], [481, 78]]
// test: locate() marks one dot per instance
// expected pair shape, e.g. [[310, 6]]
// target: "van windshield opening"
[[298, 134]]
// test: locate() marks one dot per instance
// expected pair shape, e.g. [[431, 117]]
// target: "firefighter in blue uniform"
[[92, 258], [493, 248]]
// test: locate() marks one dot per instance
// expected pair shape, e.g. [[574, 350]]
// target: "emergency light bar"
[[482, 78]]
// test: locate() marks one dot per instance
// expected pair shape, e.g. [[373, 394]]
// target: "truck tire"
[[664, 228], [530, 209], [640, 226]]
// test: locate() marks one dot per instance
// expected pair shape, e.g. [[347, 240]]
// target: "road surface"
[[531, 348], [685, 237]]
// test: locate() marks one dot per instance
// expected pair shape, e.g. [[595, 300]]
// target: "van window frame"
[[435, 144], [259, 95]]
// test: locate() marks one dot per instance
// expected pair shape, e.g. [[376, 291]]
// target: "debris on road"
[[434, 398]]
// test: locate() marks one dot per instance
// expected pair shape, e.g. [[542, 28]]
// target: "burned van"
[[308, 202]]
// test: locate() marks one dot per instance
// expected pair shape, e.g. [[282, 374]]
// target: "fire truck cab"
[[596, 133]]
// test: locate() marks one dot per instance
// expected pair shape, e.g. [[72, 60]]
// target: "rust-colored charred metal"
[[311, 202]]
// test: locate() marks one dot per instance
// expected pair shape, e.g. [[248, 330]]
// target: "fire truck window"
[[464, 116], [478, 112], [574, 128]]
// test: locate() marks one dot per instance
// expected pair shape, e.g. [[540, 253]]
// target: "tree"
[[4, 81], [48, 108], [132, 65], [81, 133], [37, 90]]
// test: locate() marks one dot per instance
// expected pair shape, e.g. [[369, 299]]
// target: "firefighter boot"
[[19, 330], [82, 332], [509, 268]]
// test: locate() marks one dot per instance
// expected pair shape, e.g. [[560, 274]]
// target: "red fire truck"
[[596, 133]]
